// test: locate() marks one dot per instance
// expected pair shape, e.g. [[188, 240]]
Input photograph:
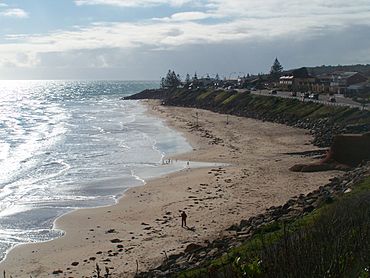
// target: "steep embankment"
[[323, 121]]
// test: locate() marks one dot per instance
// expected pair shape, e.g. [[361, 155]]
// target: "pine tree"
[[276, 68], [172, 80], [195, 77], [163, 83], [187, 79]]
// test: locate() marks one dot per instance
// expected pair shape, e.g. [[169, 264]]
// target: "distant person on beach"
[[183, 219]]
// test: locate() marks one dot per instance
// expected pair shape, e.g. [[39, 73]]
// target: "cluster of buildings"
[[347, 83], [337, 82]]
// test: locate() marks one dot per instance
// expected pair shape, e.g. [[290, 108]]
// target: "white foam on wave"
[[79, 153]]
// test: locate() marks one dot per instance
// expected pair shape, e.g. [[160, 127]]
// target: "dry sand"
[[145, 224]]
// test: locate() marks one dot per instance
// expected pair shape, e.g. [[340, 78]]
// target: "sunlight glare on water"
[[72, 144]]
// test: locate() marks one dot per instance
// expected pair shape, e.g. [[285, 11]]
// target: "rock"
[[192, 247], [213, 252], [233, 227], [348, 190], [244, 223], [308, 208], [175, 256], [202, 254]]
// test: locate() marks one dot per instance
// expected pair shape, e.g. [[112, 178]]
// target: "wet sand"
[[145, 226]]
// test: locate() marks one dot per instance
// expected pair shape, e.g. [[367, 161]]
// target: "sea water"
[[73, 144]]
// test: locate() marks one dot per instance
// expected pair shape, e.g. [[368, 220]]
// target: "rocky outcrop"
[[197, 255], [149, 94]]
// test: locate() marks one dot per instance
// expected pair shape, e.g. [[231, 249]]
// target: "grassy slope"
[[244, 104], [332, 241]]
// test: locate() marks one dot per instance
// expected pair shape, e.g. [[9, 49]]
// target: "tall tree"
[[172, 80], [187, 79], [276, 68], [195, 77]]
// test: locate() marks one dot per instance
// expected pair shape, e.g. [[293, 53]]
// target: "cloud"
[[187, 16], [133, 3], [17, 13], [287, 8], [215, 23]]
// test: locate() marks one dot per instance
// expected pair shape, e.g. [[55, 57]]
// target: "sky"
[[142, 39]]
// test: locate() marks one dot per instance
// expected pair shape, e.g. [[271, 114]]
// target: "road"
[[324, 99]]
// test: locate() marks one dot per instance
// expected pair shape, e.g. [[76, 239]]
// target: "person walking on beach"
[[183, 219]]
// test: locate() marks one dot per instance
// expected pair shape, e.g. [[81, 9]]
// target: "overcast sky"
[[142, 39]]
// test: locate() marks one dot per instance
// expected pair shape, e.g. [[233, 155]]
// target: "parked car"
[[332, 99], [293, 94], [273, 92]]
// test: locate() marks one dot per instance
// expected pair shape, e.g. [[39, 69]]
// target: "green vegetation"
[[332, 241], [250, 105], [172, 80]]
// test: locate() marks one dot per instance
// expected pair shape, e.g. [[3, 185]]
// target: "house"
[[358, 88], [297, 80], [342, 80], [286, 82], [322, 84], [203, 83]]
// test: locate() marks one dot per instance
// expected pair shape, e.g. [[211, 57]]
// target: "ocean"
[[66, 145]]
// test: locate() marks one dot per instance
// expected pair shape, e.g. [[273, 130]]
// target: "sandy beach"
[[145, 225]]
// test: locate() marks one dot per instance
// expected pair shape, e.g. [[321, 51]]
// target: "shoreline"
[[214, 198]]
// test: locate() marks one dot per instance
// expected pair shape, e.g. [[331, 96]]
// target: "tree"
[[163, 82], [195, 77], [217, 77], [276, 69], [172, 80], [187, 79]]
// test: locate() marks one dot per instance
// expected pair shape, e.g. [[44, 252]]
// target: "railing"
[[359, 106]]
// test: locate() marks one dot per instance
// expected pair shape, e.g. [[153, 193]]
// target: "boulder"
[[192, 247]]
